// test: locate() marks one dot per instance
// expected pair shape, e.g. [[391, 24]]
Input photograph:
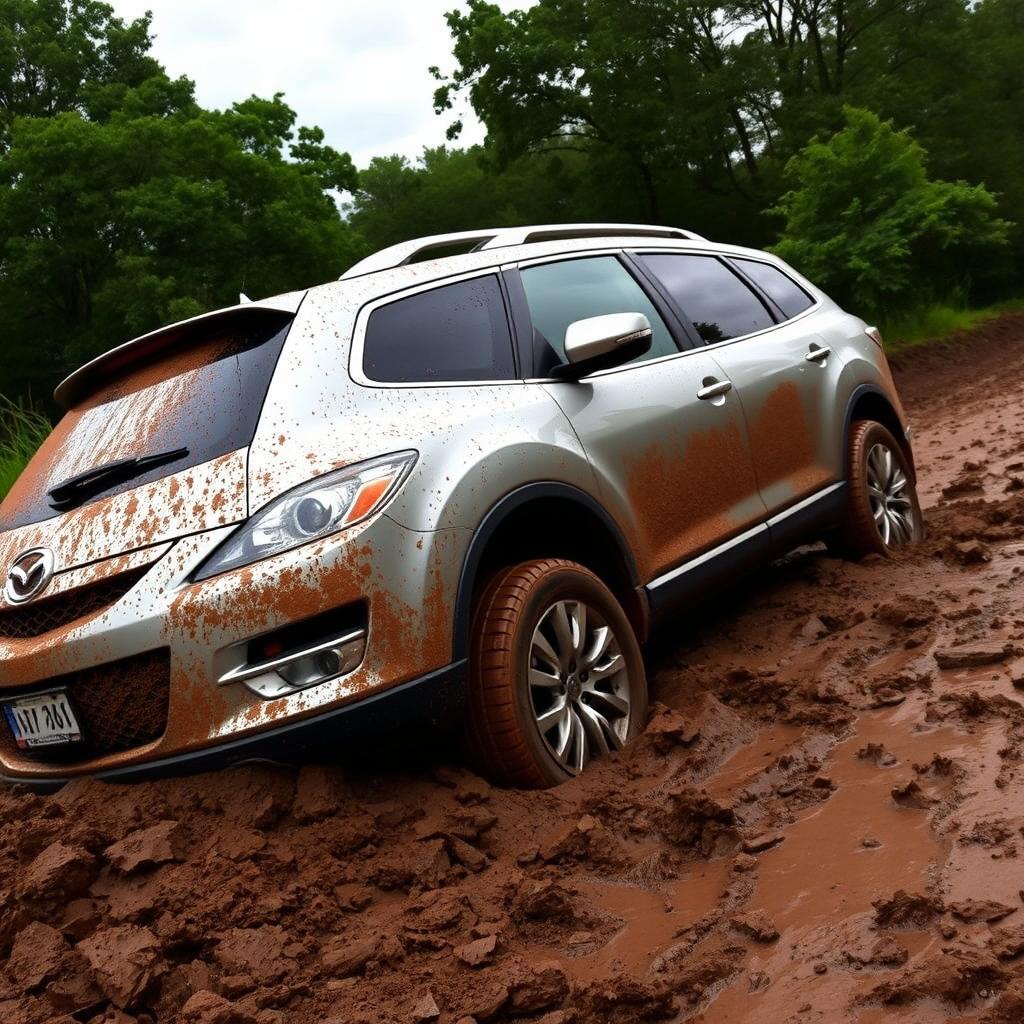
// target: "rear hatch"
[[153, 444]]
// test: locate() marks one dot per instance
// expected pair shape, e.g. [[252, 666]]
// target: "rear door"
[[750, 315], [675, 469]]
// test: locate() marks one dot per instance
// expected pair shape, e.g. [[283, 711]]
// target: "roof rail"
[[496, 238]]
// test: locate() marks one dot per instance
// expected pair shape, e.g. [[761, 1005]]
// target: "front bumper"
[[435, 701], [407, 581]]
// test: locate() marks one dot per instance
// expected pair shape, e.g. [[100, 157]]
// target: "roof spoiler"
[[85, 379]]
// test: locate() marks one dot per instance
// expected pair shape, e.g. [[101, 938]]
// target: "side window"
[[559, 293], [779, 287], [455, 332], [720, 305]]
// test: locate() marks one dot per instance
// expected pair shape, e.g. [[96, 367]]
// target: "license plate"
[[44, 720]]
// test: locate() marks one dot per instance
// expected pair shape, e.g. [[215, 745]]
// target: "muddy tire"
[[556, 674], [882, 510]]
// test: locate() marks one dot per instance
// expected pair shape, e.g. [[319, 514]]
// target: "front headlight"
[[322, 506]]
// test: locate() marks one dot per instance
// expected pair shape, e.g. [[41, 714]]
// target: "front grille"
[[49, 613], [120, 705]]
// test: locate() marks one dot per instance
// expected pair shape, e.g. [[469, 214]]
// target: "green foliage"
[[125, 205], [57, 56], [654, 99], [456, 189], [934, 323], [22, 430], [867, 224]]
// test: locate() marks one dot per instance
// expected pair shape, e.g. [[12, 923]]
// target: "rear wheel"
[[882, 509], [557, 677]]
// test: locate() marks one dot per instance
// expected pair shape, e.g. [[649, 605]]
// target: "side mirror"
[[601, 342]]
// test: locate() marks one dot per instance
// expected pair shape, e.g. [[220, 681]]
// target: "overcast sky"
[[357, 69]]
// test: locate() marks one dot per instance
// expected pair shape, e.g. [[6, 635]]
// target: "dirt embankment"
[[823, 822]]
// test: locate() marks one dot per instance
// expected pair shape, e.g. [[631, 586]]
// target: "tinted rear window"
[[457, 332], [779, 287], [718, 303], [204, 395]]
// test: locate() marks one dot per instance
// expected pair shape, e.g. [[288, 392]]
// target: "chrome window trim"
[[787, 273], [691, 249], [682, 247], [355, 358], [815, 305]]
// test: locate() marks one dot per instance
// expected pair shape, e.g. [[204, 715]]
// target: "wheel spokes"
[[616, 663], [598, 729], [618, 704], [889, 499], [553, 717], [579, 689], [545, 680], [542, 648], [578, 621], [564, 642]]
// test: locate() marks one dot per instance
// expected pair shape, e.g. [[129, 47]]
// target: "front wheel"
[[557, 677], [882, 509]]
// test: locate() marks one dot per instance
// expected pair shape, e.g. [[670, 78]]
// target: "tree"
[[697, 106], [458, 189], [56, 54], [125, 205], [652, 87], [866, 222]]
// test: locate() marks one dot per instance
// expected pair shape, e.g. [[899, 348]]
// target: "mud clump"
[[907, 612], [691, 818], [907, 910], [756, 925], [58, 874], [162, 843], [973, 911], [912, 794], [957, 976], [668, 730]]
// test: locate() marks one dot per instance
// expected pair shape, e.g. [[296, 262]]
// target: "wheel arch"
[[576, 526], [869, 402]]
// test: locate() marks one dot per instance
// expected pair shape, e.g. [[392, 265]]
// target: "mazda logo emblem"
[[29, 574]]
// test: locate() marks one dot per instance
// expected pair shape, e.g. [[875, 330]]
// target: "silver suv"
[[474, 472]]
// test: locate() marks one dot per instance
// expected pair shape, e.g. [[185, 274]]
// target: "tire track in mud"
[[823, 820]]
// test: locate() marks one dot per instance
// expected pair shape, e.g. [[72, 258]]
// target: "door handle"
[[818, 354], [713, 388]]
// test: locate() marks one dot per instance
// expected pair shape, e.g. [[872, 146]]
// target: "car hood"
[[192, 500]]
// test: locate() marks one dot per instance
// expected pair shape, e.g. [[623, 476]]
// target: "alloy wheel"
[[889, 496], [579, 686]]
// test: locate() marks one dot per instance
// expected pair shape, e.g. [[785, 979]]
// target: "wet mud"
[[823, 821]]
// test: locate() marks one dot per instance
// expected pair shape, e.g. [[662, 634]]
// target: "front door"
[[667, 438]]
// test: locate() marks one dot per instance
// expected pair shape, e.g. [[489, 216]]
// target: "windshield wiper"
[[78, 489]]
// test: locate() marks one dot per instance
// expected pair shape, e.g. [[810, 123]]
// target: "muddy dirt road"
[[823, 822]]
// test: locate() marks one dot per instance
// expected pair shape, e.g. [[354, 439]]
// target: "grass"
[[937, 322], [22, 431]]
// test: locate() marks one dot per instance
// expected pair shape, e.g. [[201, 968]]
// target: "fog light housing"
[[297, 656], [310, 669]]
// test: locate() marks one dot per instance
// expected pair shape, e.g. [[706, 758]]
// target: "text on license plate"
[[43, 720]]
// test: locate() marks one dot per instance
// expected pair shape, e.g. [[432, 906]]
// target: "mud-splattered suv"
[[481, 474]]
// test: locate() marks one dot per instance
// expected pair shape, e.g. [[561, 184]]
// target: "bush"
[[22, 431], [866, 223]]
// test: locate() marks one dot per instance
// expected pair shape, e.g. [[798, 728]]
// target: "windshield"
[[204, 396]]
